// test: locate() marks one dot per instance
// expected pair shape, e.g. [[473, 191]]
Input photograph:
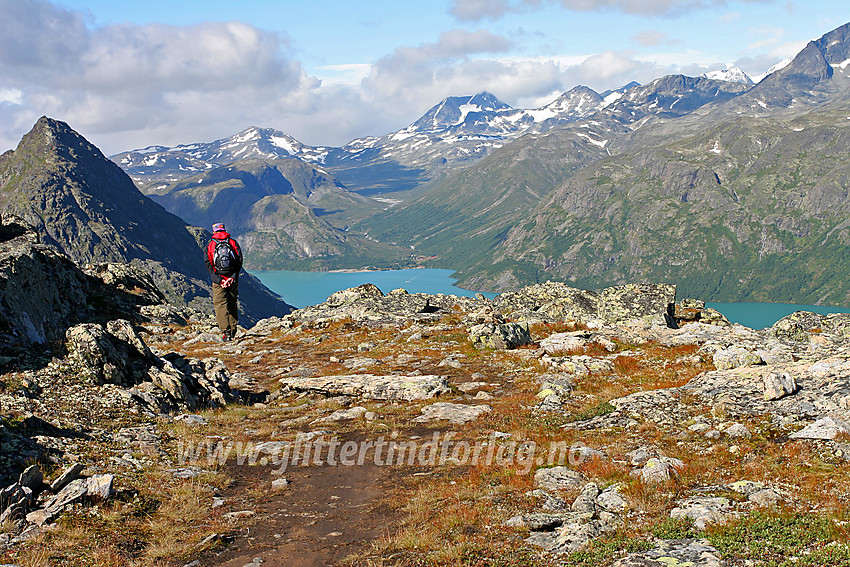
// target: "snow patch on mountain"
[[732, 75]]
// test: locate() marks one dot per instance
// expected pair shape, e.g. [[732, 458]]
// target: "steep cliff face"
[[86, 207]]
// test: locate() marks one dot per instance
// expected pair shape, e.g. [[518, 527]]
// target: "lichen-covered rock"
[[504, 336], [778, 385], [652, 302], [801, 325], [118, 355], [560, 302], [703, 511], [659, 469], [351, 295], [552, 300], [694, 310], [733, 357], [558, 478]]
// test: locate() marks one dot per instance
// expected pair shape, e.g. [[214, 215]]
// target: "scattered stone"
[[585, 503], [280, 484], [764, 498], [703, 511], [344, 415], [734, 357], [99, 487], [472, 387], [611, 500], [679, 552], [69, 474], [746, 487], [191, 419], [778, 385], [240, 514], [558, 478], [186, 472], [453, 413], [737, 430], [659, 469]]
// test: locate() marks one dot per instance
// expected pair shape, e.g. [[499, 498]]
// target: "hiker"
[[223, 259]]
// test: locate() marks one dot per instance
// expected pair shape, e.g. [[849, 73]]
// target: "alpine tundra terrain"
[[549, 426], [732, 191]]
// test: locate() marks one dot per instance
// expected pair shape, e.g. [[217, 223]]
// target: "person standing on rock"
[[223, 259]]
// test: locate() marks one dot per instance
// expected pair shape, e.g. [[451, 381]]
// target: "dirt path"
[[326, 514]]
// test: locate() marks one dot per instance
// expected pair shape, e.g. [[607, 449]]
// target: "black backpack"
[[224, 257]]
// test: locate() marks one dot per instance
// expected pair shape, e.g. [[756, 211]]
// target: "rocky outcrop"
[[40, 290], [115, 354]]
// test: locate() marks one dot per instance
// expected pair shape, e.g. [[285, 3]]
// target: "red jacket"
[[208, 257]]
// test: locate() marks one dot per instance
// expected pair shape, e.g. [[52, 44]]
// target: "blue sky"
[[132, 74]]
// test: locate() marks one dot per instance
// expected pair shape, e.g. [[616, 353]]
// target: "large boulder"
[[504, 336]]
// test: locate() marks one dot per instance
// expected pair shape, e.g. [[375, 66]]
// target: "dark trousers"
[[226, 306]]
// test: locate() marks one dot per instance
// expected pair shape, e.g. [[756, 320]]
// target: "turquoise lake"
[[311, 288]]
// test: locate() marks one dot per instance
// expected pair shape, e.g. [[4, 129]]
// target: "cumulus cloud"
[[475, 10], [116, 82]]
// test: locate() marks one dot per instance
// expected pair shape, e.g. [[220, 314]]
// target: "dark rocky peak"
[[85, 206], [54, 139], [835, 45], [808, 78]]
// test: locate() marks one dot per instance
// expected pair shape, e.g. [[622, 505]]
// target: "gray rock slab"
[[99, 487], [371, 386], [660, 469], [69, 474], [703, 511], [824, 428], [453, 413]]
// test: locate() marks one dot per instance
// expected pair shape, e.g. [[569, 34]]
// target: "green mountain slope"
[[285, 213], [745, 210]]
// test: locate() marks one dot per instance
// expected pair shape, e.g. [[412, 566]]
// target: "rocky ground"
[[550, 426]]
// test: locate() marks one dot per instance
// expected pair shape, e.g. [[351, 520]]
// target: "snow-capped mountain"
[[455, 130], [732, 75], [156, 167]]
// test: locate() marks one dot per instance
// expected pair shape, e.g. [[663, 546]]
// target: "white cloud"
[[128, 86], [476, 10], [11, 96]]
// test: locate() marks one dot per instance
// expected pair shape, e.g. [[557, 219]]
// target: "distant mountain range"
[[731, 189]]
